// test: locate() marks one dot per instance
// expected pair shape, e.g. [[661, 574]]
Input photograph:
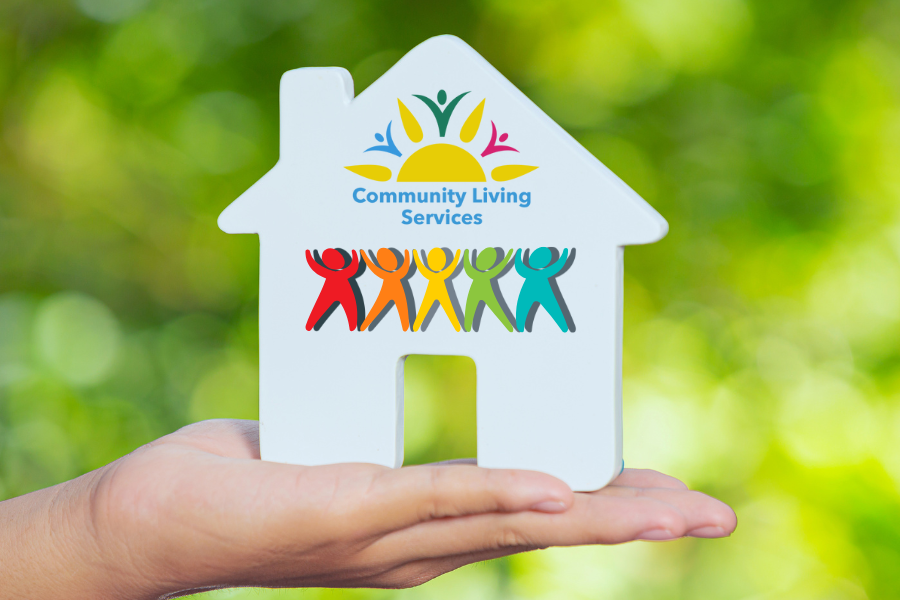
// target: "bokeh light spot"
[[111, 11], [77, 337]]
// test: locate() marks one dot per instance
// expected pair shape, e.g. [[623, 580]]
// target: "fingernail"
[[550, 506], [656, 535], [707, 532]]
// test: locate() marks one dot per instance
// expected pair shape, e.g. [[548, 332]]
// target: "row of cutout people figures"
[[340, 270]]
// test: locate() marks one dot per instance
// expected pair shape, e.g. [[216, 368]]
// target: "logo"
[[440, 161], [539, 271]]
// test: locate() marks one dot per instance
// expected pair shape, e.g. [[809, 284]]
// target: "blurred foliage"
[[761, 355]]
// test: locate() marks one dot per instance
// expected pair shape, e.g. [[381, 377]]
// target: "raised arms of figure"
[[558, 265], [521, 268], [496, 270], [471, 271], [452, 266], [353, 267], [316, 267], [421, 264], [407, 264], [378, 271]]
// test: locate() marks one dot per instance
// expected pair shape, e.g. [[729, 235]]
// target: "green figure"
[[482, 289], [536, 289], [442, 116]]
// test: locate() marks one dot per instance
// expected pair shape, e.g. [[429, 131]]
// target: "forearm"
[[49, 548]]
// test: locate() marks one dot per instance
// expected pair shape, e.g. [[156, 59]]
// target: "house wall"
[[547, 400]]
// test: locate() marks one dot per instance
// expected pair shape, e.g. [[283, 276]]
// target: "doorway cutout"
[[438, 408]]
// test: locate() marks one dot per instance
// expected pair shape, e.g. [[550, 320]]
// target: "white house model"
[[439, 212]]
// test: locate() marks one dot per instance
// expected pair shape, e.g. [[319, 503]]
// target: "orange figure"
[[436, 272], [392, 289]]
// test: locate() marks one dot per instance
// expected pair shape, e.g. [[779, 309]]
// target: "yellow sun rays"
[[470, 127], [412, 127], [507, 172], [373, 172], [441, 162]]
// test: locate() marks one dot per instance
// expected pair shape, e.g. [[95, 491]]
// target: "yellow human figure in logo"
[[436, 271]]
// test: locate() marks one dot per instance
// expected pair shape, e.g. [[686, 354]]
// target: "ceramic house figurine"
[[439, 212]]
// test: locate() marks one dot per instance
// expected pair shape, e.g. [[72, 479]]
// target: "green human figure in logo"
[[537, 288], [441, 115], [482, 290]]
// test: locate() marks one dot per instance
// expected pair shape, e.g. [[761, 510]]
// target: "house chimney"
[[313, 101]]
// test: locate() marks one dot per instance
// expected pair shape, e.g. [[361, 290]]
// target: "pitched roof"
[[324, 91]]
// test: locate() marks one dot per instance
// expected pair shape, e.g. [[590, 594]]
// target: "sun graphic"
[[441, 162]]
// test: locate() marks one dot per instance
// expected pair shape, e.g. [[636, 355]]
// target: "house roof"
[[328, 92]]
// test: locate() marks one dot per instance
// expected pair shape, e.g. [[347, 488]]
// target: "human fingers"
[[604, 520], [366, 502], [704, 516], [647, 478], [599, 518], [660, 513], [411, 495]]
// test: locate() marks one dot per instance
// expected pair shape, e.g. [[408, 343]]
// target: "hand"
[[197, 510]]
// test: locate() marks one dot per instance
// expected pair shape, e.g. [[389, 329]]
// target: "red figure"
[[337, 287]]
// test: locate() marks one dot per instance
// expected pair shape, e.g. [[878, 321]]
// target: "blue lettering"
[[357, 198], [407, 219]]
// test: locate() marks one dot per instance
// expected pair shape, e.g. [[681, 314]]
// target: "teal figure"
[[483, 290], [537, 288]]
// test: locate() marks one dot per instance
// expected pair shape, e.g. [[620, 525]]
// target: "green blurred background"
[[762, 362]]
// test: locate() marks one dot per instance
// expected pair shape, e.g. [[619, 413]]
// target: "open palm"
[[197, 509]]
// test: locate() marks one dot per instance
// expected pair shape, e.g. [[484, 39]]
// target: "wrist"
[[54, 549]]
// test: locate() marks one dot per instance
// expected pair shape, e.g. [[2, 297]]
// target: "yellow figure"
[[436, 272]]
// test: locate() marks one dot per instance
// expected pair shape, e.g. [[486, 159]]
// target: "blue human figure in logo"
[[537, 289], [388, 147]]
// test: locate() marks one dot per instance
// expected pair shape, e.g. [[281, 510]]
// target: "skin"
[[198, 510]]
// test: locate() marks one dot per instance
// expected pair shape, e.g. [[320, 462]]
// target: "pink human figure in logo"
[[493, 147]]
